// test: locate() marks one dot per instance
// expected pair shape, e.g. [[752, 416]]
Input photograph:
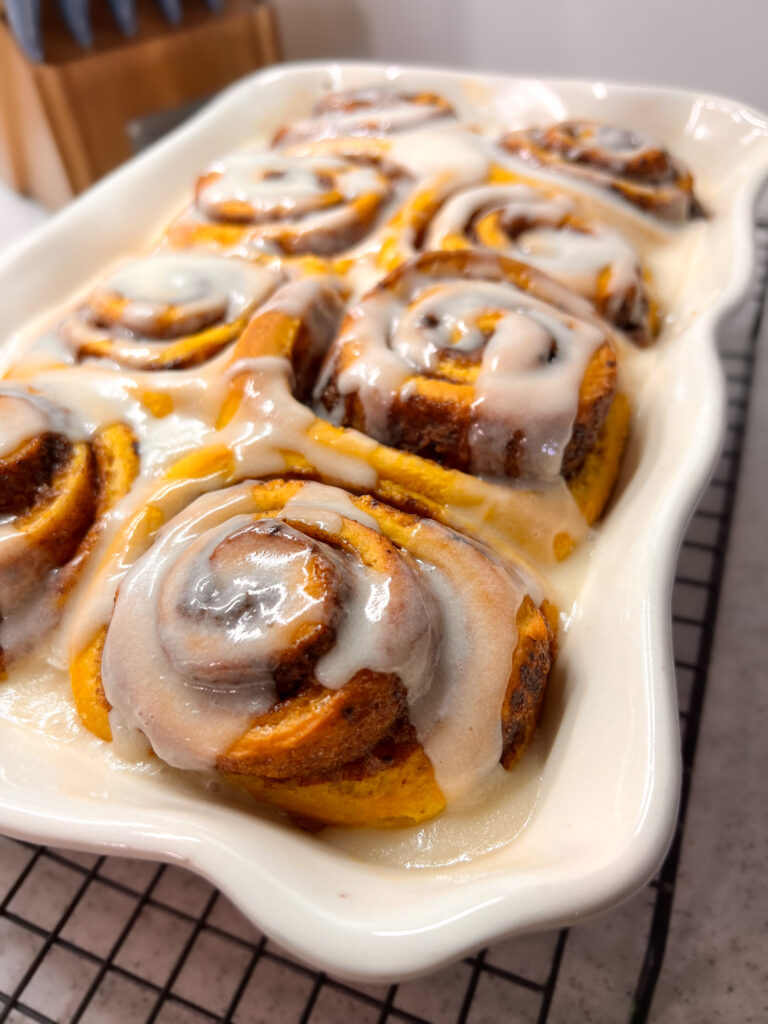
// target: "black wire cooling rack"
[[110, 941]]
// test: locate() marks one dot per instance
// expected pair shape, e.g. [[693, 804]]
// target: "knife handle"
[[24, 19]]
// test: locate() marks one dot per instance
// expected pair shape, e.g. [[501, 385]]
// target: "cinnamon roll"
[[547, 231], [624, 162], [376, 110], [330, 653], [56, 485], [307, 206], [479, 362], [167, 311]]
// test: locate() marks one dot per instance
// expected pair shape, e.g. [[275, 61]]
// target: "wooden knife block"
[[66, 122]]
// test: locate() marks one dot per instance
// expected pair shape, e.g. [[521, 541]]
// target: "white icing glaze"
[[199, 285], [21, 420], [621, 142], [270, 423], [326, 506], [25, 414], [435, 162], [432, 153], [610, 157], [458, 720]]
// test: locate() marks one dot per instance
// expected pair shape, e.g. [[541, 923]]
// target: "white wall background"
[[718, 46]]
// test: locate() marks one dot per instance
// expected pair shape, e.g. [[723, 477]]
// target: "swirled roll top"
[[546, 230], [296, 205], [377, 110], [284, 630], [54, 486], [167, 311], [477, 361], [268, 206], [625, 162]]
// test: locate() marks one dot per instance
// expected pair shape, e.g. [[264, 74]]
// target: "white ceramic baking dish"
[[609, 751]]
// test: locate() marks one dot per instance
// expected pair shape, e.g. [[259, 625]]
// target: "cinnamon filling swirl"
[[297, 204]]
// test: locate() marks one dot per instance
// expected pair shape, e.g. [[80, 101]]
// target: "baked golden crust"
[[533, 659]]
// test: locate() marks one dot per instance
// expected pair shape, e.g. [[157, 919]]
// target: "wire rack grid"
[[104, 940]]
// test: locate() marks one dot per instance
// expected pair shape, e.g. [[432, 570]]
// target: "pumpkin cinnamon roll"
[[376, 110], [547, 231], [55, 487], [167, 311], [624, 162], [302, 205], [348, 662], [481, 363]]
